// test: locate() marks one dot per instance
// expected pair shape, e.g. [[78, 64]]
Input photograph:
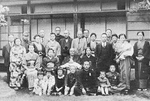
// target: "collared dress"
[[32, 62]]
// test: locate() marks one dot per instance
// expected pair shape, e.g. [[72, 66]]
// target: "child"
[[113, 76], [60, 82], [39, 84], [49, 79], [104, 83], [70, 81]]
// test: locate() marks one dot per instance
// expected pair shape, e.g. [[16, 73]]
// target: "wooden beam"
[[8, 23], [75, 20], [30, 28], [82, 22]]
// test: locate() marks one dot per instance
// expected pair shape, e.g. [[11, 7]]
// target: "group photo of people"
[[79, 66]]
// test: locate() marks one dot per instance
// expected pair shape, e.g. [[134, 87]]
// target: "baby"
[[103, 84]]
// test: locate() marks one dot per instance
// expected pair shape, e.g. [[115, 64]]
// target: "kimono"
[[17, 55], [142, 67], [92, 46], [70, 82], [55, 46], [32, 63], [40, 50], [38, 86], [125, 51], [49, 82], [79, 45]]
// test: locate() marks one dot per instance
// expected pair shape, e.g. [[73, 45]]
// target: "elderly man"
[[25, 40], [86, 35], [72, 56], [109, 35], [79, 44], [44, 40], [65, 44]]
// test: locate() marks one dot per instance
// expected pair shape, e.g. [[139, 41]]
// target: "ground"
[[8, 94]]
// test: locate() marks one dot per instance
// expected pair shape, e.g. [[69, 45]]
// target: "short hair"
[[51, 50], [86, 30], [109, 29], [93, 34], [104, 34], [102, 72], [141, 32], [57, 27], [115, 35], [52, 34], [123, 35], [37, 35], [11, 35]]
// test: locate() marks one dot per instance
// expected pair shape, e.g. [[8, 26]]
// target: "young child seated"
[[49, 79], [71, 81], [59, 86], [39, 84], [113, 76], [103, 84]]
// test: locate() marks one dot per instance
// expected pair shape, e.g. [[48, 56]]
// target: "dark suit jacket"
[[108, 55], [65, 47], [6, 54], [37, 51]]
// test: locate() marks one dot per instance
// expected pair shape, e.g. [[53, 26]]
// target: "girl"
[[103, 83]]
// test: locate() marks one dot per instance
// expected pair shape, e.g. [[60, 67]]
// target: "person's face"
[[114, 39], [57, 30], [86, 34], [60, 72], [18, 42], [86, 65], [52, 37], [122, 38], [42, 33], [38, 39], [66, 34], [109, 33], [102, 74], [11, 38], [104, 38], [79, 35], [72, 52], [31, 48], [50, 53], [112, 68], [40, 77], [140, 36], [88, 51], [93, 37], [72, 70]]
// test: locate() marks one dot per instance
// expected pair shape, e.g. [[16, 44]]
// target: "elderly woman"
[[17, 55], [141, 57], [125, 51], [32, 64]]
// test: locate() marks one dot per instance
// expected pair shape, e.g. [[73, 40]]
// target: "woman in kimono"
[[141, 57], [31, 64], [125, 51], [17, 55], [92, 44], [38, 47]]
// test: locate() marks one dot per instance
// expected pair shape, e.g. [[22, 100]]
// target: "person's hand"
[[83, 91], [66, 90], [99, 89]]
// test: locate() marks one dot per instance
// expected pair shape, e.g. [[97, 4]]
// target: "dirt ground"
[[24, 95]]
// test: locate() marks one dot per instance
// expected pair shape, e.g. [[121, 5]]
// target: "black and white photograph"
[[74, 50]]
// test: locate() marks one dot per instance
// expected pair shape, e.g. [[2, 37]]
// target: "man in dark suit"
[[6, 54], [103, 54], [58, 35], [65, 44]]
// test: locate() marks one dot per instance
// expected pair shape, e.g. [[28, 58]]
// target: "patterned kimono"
[[92, 46], [17, 55], [125, 51], [32, 62], [49, 82], [55, 46], [38, 86]]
